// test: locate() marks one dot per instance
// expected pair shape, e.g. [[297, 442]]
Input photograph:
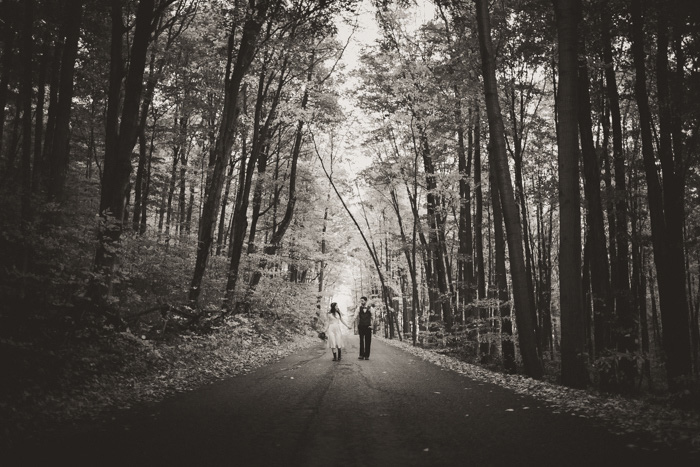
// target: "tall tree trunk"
[[665, 206], [479, 210], [121, 136], [403, 281], [8, 10], [92, 142], [190, 207], [224, 203], [600, 276], [25, 101], [499, 164], [51, 112], [60, 146], [182, 198], [501, 280], [545, 275], [260, 147], [224, 142], [281, 229], [624, 309], [143, 154], [147, 182], [39, 124], [428, 275], [162, 208], [410, 260], [518, 154], [322, 269], [14, 143], [465, 260], [171, 191], [643, 322], [140, 181], [257, 199], [574, 371], [588, 302], [261, 135], [675, 317], [436, 232]]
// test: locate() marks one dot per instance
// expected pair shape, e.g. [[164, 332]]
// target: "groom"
[[364, 317]]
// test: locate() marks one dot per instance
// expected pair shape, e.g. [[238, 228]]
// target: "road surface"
[[306, 410]]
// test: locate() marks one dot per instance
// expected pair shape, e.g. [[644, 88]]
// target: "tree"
[[665, 202], [254, 19], [574, 372], [599, 267], [618, 229], [8, 10], [372, 251], [499, 164], [121, 130], [25, 100], [58, 161]]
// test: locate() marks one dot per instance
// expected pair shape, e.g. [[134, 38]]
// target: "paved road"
[[306, 410]]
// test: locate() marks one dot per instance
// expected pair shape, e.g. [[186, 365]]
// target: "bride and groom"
[[363, 316]]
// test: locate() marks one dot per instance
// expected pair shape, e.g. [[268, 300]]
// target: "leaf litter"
[[660, 425]]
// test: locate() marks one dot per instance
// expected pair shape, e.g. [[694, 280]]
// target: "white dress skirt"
[[335, 333]]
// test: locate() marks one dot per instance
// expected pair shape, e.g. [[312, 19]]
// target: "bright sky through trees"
[[360, 31]]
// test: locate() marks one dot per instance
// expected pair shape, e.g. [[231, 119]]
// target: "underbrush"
[[49, 382], [64, 359], [474, 346]]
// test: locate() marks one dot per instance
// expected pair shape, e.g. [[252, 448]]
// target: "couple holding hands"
[[364, 317]]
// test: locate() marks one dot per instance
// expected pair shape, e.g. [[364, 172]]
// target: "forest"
[[515, 182]]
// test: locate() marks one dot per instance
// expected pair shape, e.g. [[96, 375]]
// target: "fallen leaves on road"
[[122, 370], [656, 423]]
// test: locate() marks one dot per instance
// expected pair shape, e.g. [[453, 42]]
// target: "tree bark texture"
[[37, 162], [465, 260], [151, 82], [675, 318], [664, 216], [25, 100], [58, 162], [600, 277], [479, 208], [499, 163], [121, 135], [50, 129], [8, 10], [436, 233], [501, 280], [623, 299], [574, 371]]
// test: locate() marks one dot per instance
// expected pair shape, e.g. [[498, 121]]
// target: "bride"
[[334, 331]]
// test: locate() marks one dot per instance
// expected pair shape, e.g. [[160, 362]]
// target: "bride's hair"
[[333, 308]]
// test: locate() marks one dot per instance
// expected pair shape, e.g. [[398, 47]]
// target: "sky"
[[363, 31], [367, 30], [365, 34]]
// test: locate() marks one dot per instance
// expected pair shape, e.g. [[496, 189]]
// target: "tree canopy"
[[516, 181]]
